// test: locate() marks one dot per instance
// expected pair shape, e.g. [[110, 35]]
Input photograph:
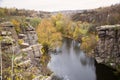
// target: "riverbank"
[[108, 47]]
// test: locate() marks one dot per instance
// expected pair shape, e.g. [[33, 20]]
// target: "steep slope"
[[108, 48], [100, 16]]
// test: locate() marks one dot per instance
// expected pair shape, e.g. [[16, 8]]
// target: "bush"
[[89, 43]]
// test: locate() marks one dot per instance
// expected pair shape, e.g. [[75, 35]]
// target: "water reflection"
[[71, 63]]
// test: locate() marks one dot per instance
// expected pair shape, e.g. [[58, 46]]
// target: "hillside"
[[100, 16], [22, 12]]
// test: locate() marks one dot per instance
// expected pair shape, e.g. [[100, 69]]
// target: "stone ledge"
[[108, 27]]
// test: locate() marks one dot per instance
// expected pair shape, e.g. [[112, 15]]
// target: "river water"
[[71, 63]]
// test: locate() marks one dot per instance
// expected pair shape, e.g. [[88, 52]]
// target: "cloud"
[[51, 5]]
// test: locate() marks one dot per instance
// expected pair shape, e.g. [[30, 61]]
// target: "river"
[[71, 63]]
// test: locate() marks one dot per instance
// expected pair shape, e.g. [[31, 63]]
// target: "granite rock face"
[[108, 48], [26, 54], [9, 37]]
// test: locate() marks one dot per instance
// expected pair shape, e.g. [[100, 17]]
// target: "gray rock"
[[108, 48]]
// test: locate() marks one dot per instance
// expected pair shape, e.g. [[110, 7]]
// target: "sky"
[[56, 5]]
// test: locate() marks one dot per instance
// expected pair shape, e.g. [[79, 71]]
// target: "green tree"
[[35, 22], [62, 23]]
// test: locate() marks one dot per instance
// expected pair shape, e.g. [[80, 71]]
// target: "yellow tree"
[[63, 24], [16, 25], [77, 33], [48, 34], [58, 22], [89, 43]]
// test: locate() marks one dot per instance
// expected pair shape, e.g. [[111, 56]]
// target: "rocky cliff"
[[22, 50], [108, 48]]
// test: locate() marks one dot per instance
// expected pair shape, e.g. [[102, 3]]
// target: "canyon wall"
[[108, 48]]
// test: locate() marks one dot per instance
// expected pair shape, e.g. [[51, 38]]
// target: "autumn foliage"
[[47, 34]]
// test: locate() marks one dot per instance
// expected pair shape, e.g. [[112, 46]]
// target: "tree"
[[35, 21], [2, 12], [63, 24], [77, 33], [89, 43], [58, 22], [48, 35], [16, 25]]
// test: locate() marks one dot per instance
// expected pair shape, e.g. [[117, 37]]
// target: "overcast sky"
[[56, 5]]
